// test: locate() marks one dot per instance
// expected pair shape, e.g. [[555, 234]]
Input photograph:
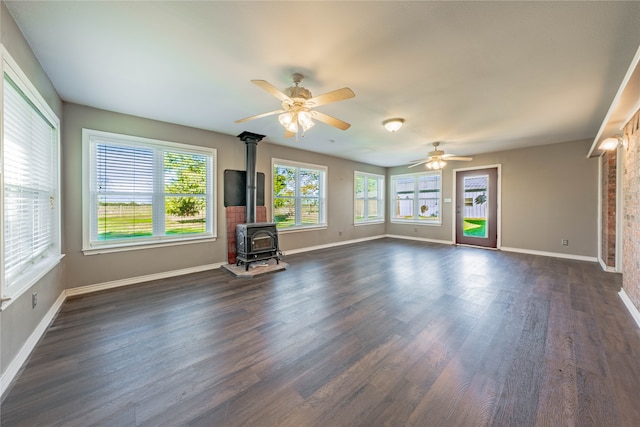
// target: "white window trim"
[[381, 203], [392, 211], [324, 190], [28, 279], [89, 248]]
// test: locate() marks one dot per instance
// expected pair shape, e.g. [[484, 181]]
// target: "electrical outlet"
[[34, 300], [340, 233], [565, 242]]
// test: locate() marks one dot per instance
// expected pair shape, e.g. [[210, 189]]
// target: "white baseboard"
[[550, 254], [331, 245], [605, 267], [630, 306], [420, 239], [140, 279], [22, 356]]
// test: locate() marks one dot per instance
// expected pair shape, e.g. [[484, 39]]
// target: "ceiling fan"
[[297, 103], [436, 159]]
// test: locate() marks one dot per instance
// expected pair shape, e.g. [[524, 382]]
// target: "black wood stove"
[[255, 241]]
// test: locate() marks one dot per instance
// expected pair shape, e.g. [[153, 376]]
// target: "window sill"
[[137, 246], [30, 279]]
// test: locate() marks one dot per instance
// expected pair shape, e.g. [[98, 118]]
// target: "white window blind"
[[141, 191], [30, 190]]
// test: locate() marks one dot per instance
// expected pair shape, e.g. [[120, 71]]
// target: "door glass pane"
[[476, 212]]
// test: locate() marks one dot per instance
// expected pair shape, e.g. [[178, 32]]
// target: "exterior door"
[[477, 207]]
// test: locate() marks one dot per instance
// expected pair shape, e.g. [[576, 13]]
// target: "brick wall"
[[238, 215], [631, 190], [608, 204]]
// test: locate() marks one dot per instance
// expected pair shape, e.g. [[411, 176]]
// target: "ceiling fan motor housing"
[[297, 92]]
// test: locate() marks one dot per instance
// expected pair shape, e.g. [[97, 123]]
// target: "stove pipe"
[[251, 141]]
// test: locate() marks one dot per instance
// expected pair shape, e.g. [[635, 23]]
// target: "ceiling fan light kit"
[[297, 103], [436, 159], [291, 120], [435, 164], [393, 125]]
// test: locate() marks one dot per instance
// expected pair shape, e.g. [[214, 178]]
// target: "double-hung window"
[[139, 192], [299, 195], [30, 183], [368, 198], [416, 198]]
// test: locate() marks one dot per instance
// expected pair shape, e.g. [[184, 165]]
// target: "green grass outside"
[[285, 219], [127, 221], [475, 227]]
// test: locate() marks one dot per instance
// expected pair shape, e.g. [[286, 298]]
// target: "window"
[[416, 197], [369, 199], [298, 195], [30, 190], [139, 191]]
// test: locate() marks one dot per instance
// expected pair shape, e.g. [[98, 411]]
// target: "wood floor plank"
[[381, 333], [519, 400], [558, 402]]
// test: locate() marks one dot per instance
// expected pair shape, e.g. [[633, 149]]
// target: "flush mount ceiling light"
[[392, 125], [612, 143]]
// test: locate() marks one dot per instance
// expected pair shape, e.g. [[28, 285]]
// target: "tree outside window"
[[298, 195], [145, 191]]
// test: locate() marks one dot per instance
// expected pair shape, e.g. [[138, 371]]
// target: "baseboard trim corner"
[[633, 310], [21, 358], [23, 355]]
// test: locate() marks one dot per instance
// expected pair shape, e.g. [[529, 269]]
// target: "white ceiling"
[[479, 76]]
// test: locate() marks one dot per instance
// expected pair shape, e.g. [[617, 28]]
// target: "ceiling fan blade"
[[257, 116], [329, 97], [463, 159], [418, 164], [332, 121], [272, 90]]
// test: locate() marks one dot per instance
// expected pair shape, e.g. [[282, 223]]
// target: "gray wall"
[[339, 197], [19, 320], [549, 193], [95, 269]]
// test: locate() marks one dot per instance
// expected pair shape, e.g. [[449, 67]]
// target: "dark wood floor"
[[388, 332]]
